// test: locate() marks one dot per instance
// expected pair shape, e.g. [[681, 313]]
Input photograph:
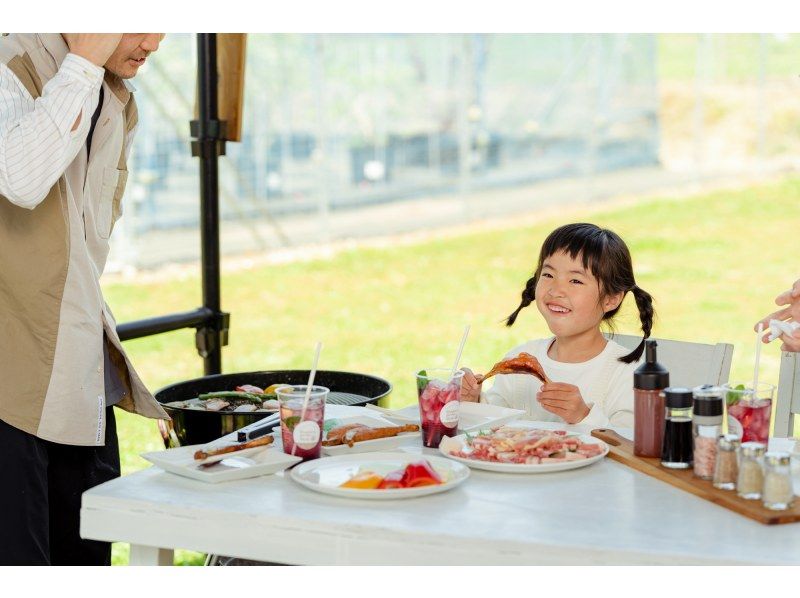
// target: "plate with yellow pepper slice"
[[380, 476]]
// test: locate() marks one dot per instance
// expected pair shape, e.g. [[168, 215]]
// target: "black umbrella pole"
[[208, 146]]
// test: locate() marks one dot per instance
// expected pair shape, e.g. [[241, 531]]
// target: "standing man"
[[67, 118]]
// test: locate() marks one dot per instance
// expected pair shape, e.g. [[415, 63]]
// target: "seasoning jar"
[[750, 480], [706, 428], [676, 451], [649, 380], [726, 467], [777, 494]]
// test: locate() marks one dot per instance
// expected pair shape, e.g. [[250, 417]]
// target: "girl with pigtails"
[[583, 274]]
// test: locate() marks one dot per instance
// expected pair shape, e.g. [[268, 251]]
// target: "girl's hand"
[[563, 400], [471, 386]]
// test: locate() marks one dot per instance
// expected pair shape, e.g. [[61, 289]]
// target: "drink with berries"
[[438, 391], [302, 432], [748, 411]]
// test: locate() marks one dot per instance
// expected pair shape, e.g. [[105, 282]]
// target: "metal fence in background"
[[335, 122]]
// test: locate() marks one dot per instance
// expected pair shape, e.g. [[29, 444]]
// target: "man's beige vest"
[[52, 312]]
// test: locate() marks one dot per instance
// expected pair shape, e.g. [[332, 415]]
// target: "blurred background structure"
[[352, 136]]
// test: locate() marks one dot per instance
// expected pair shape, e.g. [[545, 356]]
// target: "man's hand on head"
[[94, 47]]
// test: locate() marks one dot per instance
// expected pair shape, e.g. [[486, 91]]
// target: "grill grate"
[[346, 398]]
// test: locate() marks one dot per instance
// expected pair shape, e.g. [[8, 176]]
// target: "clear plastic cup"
[[748, 411], [302, 432], [438, 391]]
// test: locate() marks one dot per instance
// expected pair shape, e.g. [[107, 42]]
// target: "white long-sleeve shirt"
[[37, 142], [605, 383]]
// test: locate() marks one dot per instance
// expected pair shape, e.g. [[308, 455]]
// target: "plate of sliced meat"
[[365, 433], [522, 447]]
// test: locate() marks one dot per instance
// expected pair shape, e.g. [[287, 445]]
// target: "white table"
[[603, 514]]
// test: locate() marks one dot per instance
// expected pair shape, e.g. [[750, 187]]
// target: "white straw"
[[460, 350], [758, 360], [311, 377]]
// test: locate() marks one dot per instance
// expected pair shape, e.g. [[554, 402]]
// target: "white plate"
[[249, 463], [366, 446], [471, 416], [454, 444], [327, 474]]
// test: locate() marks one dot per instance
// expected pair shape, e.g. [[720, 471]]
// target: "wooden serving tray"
[[621, 449]]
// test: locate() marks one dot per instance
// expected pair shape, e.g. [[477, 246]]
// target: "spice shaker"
[[726, 468], [706, 428], [750, 480], [676, 452], [649, 380], [777, 494]]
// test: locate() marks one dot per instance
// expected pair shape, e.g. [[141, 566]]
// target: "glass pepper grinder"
[[706, 427], [777, 494], [750, 481]]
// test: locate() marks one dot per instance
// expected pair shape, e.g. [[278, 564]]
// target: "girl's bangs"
[[578, 243]]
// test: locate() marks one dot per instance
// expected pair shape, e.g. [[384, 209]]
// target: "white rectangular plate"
[[471, 416], [257, 462], [368, 446]]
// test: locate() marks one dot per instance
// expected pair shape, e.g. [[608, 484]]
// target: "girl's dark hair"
[[605, 255]]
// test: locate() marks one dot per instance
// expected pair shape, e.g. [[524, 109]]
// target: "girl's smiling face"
[[569, 296]]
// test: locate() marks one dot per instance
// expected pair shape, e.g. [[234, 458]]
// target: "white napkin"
[[778, 327]]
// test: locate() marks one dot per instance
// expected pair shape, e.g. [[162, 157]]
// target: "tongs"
[[259, 428]]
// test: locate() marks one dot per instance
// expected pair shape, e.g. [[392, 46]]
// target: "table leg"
[[151, 555]]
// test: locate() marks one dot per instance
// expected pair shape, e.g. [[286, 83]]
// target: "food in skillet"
[[524, 363], [247, 398], [413, 475], [351, 433], [234, 447]]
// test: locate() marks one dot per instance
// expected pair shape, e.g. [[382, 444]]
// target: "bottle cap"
[[678, 397], [707, 401], [651, 375], [776, 458], [753, 449], [728, 442]]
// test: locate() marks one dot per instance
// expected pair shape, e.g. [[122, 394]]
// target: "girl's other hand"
[[471, 386], [563, 400]]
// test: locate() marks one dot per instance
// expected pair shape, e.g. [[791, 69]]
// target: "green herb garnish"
[[422, 382], [731, 397]]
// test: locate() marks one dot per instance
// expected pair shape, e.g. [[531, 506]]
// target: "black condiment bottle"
[[677, 450]]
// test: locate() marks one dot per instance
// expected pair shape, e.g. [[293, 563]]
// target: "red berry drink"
[[752, 418], [301, 433], [748, 412], [438, 393]]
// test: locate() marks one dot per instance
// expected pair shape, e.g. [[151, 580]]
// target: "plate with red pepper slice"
[[380, 476]]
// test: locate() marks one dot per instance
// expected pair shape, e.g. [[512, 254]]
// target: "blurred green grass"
[[713, 262]]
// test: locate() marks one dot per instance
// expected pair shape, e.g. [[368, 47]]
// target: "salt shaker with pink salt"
[[707, 406]]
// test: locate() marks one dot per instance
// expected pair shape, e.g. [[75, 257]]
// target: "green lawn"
[[713, 262]]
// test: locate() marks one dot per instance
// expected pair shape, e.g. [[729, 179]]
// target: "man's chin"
[[127, 72]]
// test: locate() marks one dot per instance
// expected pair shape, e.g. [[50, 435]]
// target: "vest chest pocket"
[[109, 208]]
